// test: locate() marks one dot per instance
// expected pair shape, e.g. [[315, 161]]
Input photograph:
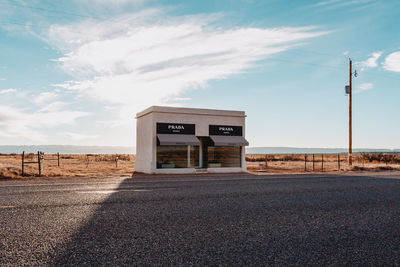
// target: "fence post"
[[23, 159], [305, 162], [322, 166], [58, 159], [338, 162], [116, 162], [39, 165], [313, 162], [266, 160]]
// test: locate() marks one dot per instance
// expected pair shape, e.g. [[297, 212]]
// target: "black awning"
[[178, 139], [225, 140]]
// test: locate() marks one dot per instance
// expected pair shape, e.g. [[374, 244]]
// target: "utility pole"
[[350, 116]]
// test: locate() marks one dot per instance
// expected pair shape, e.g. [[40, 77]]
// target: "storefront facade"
[[187, 140]]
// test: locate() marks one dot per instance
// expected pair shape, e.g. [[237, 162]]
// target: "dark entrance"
[[205, 142]]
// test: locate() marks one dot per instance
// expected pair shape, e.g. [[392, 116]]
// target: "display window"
[[224, 156], [177, 157], [178, 147]]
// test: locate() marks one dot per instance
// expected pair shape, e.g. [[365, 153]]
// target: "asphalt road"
[[227, 221]]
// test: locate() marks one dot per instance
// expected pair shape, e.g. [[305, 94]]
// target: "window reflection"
[[177, 157], [224, 156]]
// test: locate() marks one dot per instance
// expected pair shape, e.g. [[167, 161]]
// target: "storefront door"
[[205, 142]]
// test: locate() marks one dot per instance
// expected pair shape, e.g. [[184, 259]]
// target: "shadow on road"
[[331, 220]]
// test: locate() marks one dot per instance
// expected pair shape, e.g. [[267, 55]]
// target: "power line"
[[390, 77], [13, 23], [305, 63], [86, 16], [271, 59], [50, 10], [319, 53], [325, 54], [22, 24], [325, 66], [103, 19]]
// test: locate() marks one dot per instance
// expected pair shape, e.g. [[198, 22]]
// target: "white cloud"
[[54, 106], [149, 58], [14, 93], [8, 91], [392, 62], [181, 99], [44, 97], [112, 123], [15, 122], [78, 136], [2, 79], [364, 87], [371, 62]]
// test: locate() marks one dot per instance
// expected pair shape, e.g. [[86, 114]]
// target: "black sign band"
[[175, 128], [226, 130]]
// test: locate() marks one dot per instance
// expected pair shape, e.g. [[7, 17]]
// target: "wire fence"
[[322, 162], [41, 164], [101, 165]]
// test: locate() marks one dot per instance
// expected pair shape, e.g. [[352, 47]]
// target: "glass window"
[[194, 156], [177, 157], [224, 156]]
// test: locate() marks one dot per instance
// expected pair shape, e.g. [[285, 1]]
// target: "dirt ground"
[[70, 165], [103, 166], [298, 167], [308, 163]]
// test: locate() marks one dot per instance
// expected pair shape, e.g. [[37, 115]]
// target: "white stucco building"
[[189, 140]]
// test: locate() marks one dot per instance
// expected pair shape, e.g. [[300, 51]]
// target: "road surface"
[[226, 220]]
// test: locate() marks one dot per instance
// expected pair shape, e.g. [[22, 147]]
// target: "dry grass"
[[294, 163], [94, 165], [70, 165]]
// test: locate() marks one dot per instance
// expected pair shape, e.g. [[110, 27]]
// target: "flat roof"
[[190, 111]]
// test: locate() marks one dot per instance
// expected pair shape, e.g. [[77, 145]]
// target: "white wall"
[[146, 142]]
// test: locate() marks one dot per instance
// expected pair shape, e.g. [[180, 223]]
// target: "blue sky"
[[76, 72]]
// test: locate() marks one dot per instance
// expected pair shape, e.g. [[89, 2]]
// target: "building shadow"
[[299, 221]]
